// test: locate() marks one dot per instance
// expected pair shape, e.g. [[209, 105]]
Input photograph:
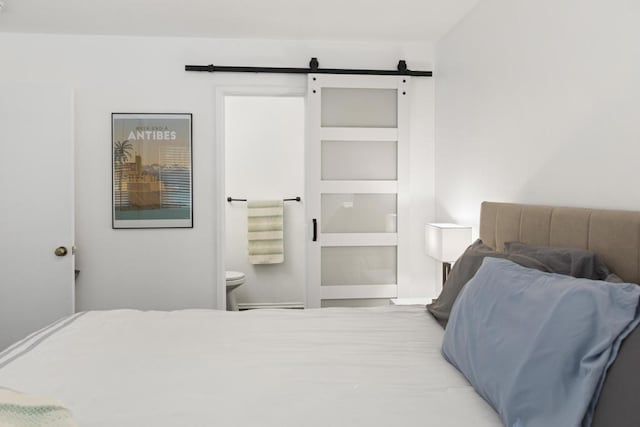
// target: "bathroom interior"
[[264, 160]]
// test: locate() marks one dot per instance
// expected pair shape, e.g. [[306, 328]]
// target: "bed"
[[334, 366], [359, 367]]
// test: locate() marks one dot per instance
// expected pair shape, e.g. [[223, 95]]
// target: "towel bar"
[[293, 199]]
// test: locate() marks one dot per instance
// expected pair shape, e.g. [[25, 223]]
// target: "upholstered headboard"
[[613, 235]]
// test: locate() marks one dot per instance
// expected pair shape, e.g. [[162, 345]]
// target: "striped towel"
[[266, 236]]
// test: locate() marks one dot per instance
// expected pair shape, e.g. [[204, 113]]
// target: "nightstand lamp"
[[446, 242]]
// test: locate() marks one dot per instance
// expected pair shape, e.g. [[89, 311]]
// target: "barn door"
[[357, 188]]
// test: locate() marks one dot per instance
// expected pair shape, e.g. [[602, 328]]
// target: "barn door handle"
[[315, 230]]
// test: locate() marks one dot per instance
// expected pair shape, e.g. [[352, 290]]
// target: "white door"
[[357, 189], [36, 216]]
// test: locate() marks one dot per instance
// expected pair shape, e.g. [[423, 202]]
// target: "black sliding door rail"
[[401, 70]]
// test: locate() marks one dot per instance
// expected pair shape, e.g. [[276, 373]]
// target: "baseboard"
[[259, 305]]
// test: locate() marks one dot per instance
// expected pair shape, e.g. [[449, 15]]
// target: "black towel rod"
[[401, 70], [293, 199]]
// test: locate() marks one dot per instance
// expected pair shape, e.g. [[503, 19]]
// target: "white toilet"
[[234, 279]]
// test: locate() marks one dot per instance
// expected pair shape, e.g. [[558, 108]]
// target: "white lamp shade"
[[446, 242]]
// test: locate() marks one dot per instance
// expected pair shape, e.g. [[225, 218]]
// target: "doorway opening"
[[264, 143]]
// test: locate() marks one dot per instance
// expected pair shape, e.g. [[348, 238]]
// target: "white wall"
[[537, 102], [264, 159], [422, 165], [171, 269]]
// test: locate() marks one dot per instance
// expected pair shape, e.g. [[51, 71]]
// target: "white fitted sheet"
[[326, 367]]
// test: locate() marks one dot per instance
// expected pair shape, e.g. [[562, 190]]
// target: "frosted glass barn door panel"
[[358, 265], [358, 213], [357, 161], [359, 107]]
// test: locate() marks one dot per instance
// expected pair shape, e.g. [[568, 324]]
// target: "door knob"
[[60, 251]]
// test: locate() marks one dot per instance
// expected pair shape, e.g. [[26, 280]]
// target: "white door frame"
[[219, 196]]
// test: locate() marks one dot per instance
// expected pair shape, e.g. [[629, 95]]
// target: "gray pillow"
[[618, 403], [464, 269], [569, 261]]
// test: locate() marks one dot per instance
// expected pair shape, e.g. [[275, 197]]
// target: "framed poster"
[[151, 170]]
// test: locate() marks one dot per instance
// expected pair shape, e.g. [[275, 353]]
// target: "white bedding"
[[327, 367]]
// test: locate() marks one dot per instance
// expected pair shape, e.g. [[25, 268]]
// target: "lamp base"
[[446, 270]]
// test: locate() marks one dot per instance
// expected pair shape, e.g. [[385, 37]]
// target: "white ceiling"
[[392, 20]]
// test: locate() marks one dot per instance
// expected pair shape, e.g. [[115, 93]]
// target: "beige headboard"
[[613, 235]]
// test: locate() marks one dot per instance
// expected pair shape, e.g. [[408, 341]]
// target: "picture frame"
[[151, 170]]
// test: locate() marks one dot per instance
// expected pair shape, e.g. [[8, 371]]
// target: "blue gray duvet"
[[537, 345]]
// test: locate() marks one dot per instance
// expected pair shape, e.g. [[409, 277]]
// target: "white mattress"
[[326, 367]]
